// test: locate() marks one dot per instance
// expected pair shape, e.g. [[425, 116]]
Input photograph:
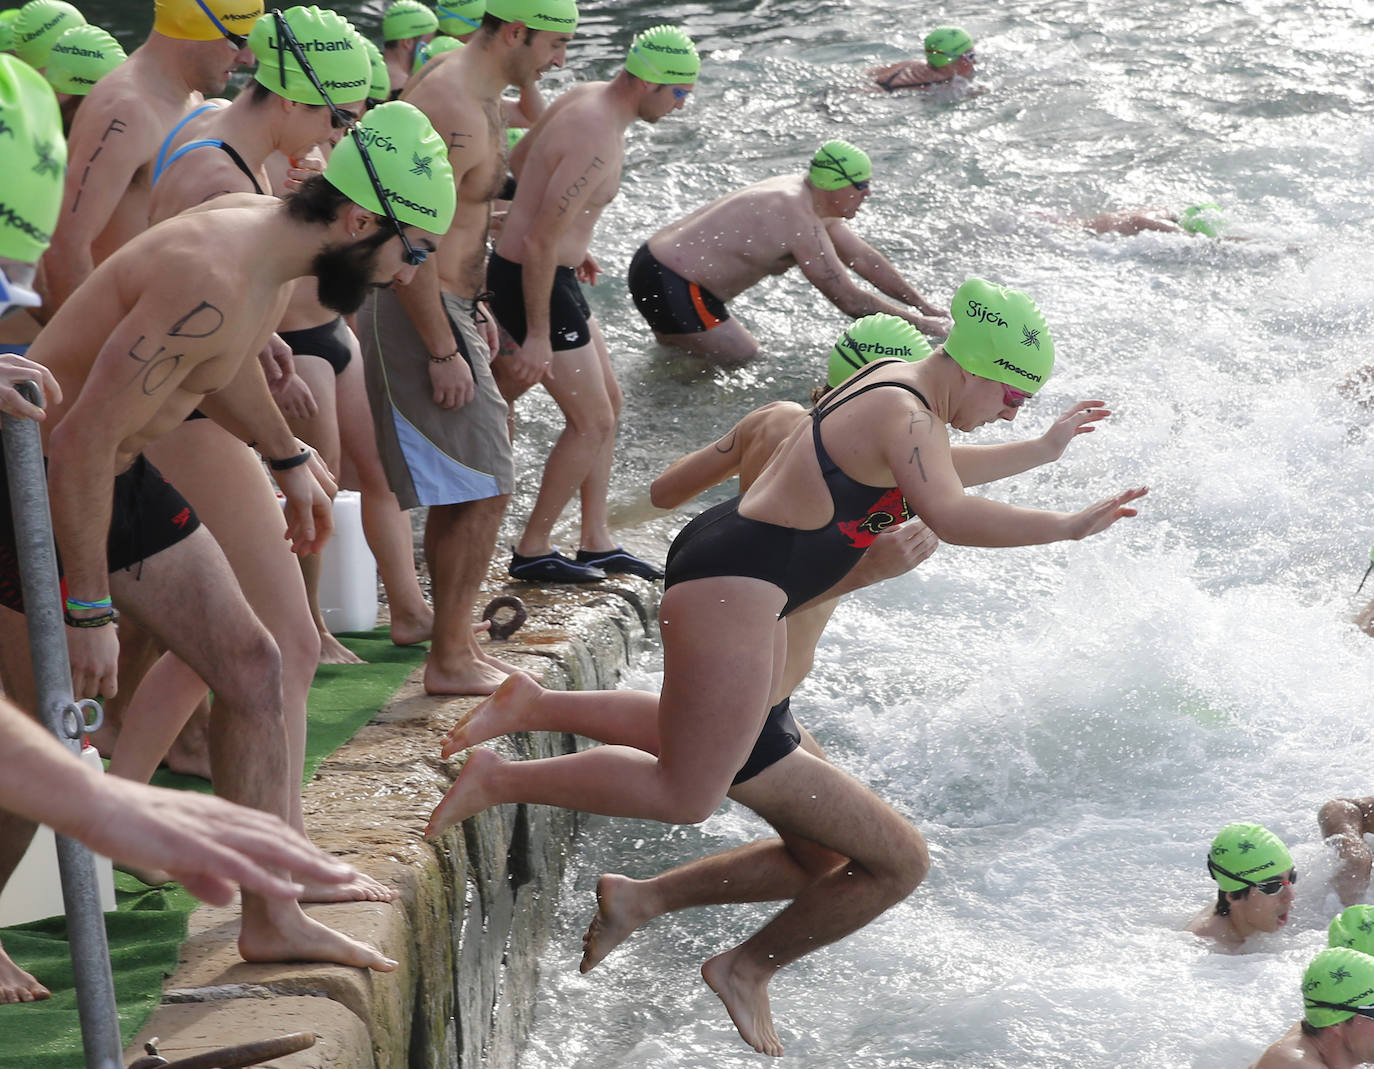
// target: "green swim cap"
[[81, 57], [513, 136], [838, 165], [664, 55], [875, 337], [430, 49], [411, 161], [8, 17], [1205, 219], [1353, 927], [39, 25], [1000, 334], [35, 156], [945, 44], [380, 86], [458, 18], [329, 43], [560, 16], [1335, 979], [408, 18], [1245, 854]]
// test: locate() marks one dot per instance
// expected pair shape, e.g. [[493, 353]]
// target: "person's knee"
[[692, 807], [1340, 816], [908, 864], [250, 672]]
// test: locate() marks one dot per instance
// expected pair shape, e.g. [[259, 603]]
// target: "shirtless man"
[[1337, 1026], [406, 26], [569, 170], [440, 420], [1255, 878], [948, 55], [189, 54], [682, 277], [785, 752], [461, 19], [158, 330]]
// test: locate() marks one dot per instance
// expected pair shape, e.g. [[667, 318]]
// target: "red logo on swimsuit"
[[888, 510], [182, 518]]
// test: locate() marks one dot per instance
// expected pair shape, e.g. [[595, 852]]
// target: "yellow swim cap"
[[205, 20]]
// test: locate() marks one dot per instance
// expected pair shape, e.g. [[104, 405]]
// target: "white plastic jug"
[[348, 571]]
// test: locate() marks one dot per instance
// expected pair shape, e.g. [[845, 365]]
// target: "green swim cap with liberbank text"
[[35, 156], [556, 16], [81, 57], [664, 55], [329, 44], [839, 165], [39, 25], [408, 18], [1246, 854], [411, 161], [999, 334], [1334, 984], [874, 337]]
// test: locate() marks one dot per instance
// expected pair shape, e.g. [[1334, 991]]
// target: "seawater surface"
[[1069, 725]]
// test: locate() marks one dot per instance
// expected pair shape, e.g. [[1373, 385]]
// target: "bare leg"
[[1365, 619], [167, 696], [592, 494], [729, 343], [1343, 820], [385, 524], [723, 648], [458, 546]]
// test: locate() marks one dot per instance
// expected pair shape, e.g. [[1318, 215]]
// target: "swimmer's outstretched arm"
[[868, 263], [978, 464], [698, 471]]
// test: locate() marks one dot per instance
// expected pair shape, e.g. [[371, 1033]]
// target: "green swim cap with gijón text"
[[664, 55], [411, 161], [458, 18], [408, 18], [81, 57], [35, 156], [1336, 983], [945, 44], [557, 16], [838, 165], [329, 44], [874, 337], [999, 334], [1246, 854], [1353, 927], [39, 25]]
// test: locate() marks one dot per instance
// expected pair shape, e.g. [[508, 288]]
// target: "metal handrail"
[[237, 1057]]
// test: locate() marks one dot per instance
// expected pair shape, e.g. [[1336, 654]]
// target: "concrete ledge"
[[475, 908]]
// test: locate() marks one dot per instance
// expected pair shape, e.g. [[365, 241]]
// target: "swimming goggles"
[[1265, 887], [236, 39], [15, 295], [342, 120], [830, 163], [1317, 1004], [1012, 397], [681, 94]]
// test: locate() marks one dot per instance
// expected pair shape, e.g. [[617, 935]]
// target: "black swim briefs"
[[779, 737], [669, 303], [568, 308], [329, 341]]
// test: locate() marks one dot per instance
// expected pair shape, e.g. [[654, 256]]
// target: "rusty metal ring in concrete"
[[504, 628]]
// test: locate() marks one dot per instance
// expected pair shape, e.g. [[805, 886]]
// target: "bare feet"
[[473, 677], [745, 999], [408, 629], [619, 911], [498, 715], [498, 664], [362, 888], [16, 985], [468, 795], [285, 933], [332, 651]]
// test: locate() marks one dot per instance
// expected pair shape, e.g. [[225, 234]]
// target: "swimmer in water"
[[1344, 823], [1204, 219], [1255, 878], [1337, 1026], [949, 55]]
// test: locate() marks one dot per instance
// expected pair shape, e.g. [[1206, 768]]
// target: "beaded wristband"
[[91, 621]]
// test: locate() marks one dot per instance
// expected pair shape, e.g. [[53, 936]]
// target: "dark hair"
[[1225, 898], [257, 92], [1308, 1028], [492, 25], [319, 201]]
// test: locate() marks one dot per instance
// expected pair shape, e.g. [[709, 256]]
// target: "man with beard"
[[158, 330], [440, 420], [190, 53]]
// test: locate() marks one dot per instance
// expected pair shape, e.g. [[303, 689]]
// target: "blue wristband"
[[76, 603]]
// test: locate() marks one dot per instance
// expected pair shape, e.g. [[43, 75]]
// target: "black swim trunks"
[[329, 341], [568, 308], [149, 515], [780, 736], [669, 303]]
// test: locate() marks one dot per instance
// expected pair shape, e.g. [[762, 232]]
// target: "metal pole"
[[95, 997]]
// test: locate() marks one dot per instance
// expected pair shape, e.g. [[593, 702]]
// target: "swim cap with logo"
[[999, 334], [39, 25], [8, 17], [411, 161], [408, 18], [458, 18], [1248, 851], [330, 45], [1335, 982], [1205, 219], [664, 55], [35, 156], [186, 20], [874, 337], [380, 86], [80, 58], [1353, 927], [945, 44], [560, 16], [430, 49], [839, 165]]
